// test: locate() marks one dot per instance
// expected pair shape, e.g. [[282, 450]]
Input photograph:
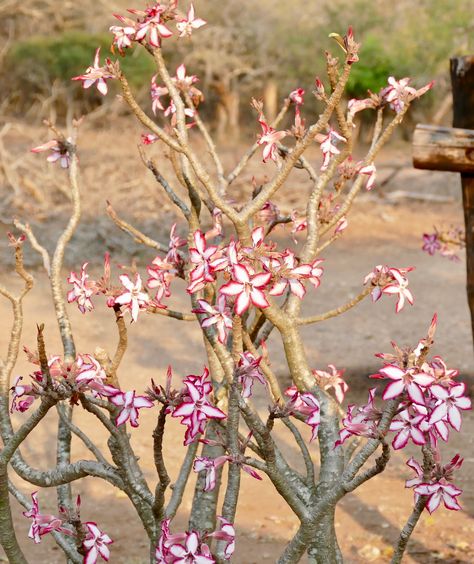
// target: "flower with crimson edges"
[[196, 408], [133, 297], [306, 404], [123, 35], [297, 96], [152, 25], [225, 533], [398, 93], [248, 371], [82, 290], [269, 137], [371, 172], [328, 147], [42, 523], [96, 74], [440, 492], [408, 427], [411, 380], [417, 479], [95, 543], [201, 256], [247, 289], [210, 466], [24, 391], [130, 404], [186, 25], [333, 379], [361, 421], [59, 151], [192, 551], [449, 402], [218, 315]]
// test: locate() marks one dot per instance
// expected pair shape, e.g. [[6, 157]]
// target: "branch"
[[138, 236], [380, 465], [164, 479], [179, 486], [26, 229], [337, 311], [82, 436], [150, 164], [308, 462]]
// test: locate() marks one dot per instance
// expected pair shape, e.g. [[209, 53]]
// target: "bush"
[[34, 65]]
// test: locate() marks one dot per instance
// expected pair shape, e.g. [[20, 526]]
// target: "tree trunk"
[[204, 508], [462, 79]]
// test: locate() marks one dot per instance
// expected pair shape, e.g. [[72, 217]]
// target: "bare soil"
[[382, 230]]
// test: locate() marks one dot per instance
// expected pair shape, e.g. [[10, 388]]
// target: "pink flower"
[[328, 147], [96, 74], [410, 380], [306, 404], [82, 290], [130, 404], [123, 36], [225, 533], [370, 171], [59, 151], [95, 543], [360, 421], [334, 380], [149, 138], [20, 390], [152, 26], [398, 93], [218, 315], [210, 466], [192, 552], [399, 287], [248, 371], [441, 491], [408, 427], [269, 137], [156, 93], [43, 524], [248, 289], [431, 243], [389, 280], [187, 25], [201, 256], [133, 297], [448, 403], [297, 96], [196, 409], [418, 479]]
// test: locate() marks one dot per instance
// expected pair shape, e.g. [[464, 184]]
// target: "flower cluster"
[[253, 272], [195, 407], [191, 547], [436, 484], [94, 541], [430, 403]]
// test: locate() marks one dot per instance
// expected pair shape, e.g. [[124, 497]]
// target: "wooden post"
[[462, 80]]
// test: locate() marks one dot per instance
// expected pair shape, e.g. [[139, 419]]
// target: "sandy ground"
[[368, 521]]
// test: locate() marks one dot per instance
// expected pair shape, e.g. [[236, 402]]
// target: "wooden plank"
[[462, 80], [443, 148]]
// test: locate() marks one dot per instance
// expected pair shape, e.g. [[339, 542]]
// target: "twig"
[[337, 311]]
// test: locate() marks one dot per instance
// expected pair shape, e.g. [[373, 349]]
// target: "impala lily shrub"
[[242, 283]]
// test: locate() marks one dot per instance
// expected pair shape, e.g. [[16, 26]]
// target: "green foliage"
[[33, 65], [372, 69]]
